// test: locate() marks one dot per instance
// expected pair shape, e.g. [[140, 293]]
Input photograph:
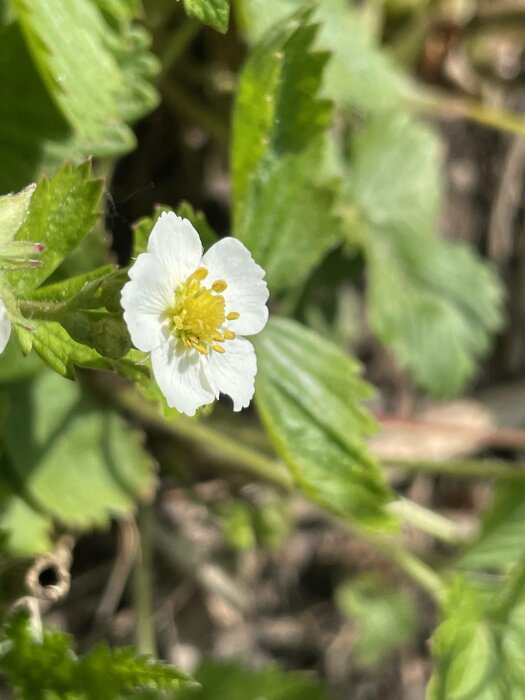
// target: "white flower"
[[190, 312], [5, 327]]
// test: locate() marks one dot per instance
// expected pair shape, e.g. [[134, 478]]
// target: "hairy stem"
[[427, 521], [254, 464]]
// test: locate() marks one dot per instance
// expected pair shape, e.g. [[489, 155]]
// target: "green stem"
[[463, 468], [178, 43], [453, 107], [246, 460], [412, 565], [239, 456], [142, 582], [427, 521]]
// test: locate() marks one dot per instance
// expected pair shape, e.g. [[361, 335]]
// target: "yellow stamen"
[[198, 314], [200, 274], [219, 286]]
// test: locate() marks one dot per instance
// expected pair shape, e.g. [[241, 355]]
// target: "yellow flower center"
[[199, 313]]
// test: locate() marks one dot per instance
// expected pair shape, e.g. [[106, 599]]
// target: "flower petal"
[[177, 245], [180, 374], [145, 299], [233, 372], [5, 326], [247, 292]]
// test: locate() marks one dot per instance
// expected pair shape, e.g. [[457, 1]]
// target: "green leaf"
[[61, 352], [62, 211], [359, 74], [385, 618], [479, 647], [73, 459], [27, 531], [68, 46], [83, 291], [432, 301], [232, 681], [13, 211], [48, 668], [282, 194], [216, 13], [33, 133], [309, 396], [500, 543]]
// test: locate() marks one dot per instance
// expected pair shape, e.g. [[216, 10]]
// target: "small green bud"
[[111, 338]]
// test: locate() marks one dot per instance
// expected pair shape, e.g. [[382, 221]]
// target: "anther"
[[202, 349], [229, 335], [233, 316], [219, 286], [200, 274], [217, 348], [218, 336]]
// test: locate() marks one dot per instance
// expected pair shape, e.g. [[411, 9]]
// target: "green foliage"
[[48, 669], [232, 681], [62, 211], [432, 301], [33, 133], [309, 396], [385, 618], [358, 74], [216, 13], [500, 543], [282, 195], [85, 69], [13, 212], [479, 648], [72, 47], [68, 457]]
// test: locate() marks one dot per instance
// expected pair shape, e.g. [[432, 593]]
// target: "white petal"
[[181, 377], [247, 293], [176, 243], [145, 299], [233, 371], [5, 326]]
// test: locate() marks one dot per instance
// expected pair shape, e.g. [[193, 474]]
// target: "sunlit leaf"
[[213, 12], [309, 396], [49, 668], [479, 647], [500, 543], [13, 212], [77, 462], [33, 133], [434, 302], [68, 44], [282, 194], [62, 211]]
